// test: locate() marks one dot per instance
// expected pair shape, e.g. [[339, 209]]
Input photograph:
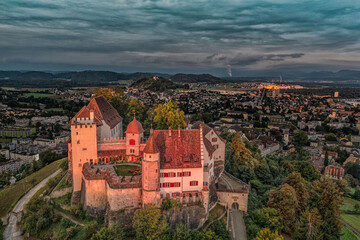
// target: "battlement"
[[107, 173], [113, 140]]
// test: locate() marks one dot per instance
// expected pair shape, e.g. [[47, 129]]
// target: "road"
[[237, 225], [12, 231]]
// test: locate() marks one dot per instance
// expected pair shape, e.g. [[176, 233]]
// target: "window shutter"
[[166, 174]]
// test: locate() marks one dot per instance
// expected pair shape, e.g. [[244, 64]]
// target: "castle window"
[[78, 141], [84, 149], [77, 133], [132, 142], [149, 156], [194, 183], [162, 175], [186, 174], [214, 139]]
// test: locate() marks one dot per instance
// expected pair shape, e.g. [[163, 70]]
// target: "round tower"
[[134, 137], [151, 173]]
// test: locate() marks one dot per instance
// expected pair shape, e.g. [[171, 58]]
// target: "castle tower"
[[151, 173], [83, 144], [134, 137]]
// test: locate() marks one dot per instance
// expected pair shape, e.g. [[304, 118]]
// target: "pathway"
[[71, 218], [237, 225], [12, 231]]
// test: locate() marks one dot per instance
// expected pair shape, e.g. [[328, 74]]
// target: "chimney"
[[169, 131], [179, 132], [91, 114]]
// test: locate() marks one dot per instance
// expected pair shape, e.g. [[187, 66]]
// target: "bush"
[[72, 231], [65, 223], [42, 223], [64, 165]]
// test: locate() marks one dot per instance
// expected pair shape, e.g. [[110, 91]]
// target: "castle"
[[181, 164]]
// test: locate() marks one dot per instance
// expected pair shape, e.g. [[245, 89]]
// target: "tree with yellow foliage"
[[167, 115], [266, 234]]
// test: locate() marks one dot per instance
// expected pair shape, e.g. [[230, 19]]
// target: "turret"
[[151, 173], [134, 137]]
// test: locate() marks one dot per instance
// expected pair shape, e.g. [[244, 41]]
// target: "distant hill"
[[107, 76], [196, 78], [156, 84], [343, 75]]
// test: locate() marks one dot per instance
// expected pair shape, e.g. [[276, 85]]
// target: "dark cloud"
[[195, 34]]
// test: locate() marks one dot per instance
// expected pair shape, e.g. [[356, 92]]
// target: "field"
[[352, 219], [38, 95], [351, 201], [347, 234], [11, 195], [124, 170]]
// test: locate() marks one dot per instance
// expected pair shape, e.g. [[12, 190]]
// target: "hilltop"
[[159, 84]]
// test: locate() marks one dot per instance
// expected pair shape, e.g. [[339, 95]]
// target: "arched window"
[[132, 142]]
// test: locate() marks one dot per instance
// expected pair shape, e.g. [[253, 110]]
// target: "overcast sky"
[[180, 36]]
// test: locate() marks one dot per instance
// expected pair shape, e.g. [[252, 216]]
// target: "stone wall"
[[123, 198], [124, 217], [193, 216], [228, 198]]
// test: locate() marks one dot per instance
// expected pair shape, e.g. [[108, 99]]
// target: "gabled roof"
[[104, 111], [85, 113], [209, 147], [206, 129], [176, 151]]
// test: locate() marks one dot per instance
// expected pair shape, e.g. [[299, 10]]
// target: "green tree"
[[310, 226], [306, 169], [149, 223], [268, 218], [284, 201], [167, 115], [330, 137], [266, 234], [114, 232], [301, 138], [326, 160], [326, 197], [302, 193]]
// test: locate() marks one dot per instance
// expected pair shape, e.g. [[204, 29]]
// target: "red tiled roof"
[[104, 111], [151, 146], [134, 127], [85, 113], [179, 152], [334, 171]]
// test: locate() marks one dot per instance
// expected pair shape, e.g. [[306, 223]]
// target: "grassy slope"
[[353, 220], [11, 195], [351, 201], [347, 234]]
